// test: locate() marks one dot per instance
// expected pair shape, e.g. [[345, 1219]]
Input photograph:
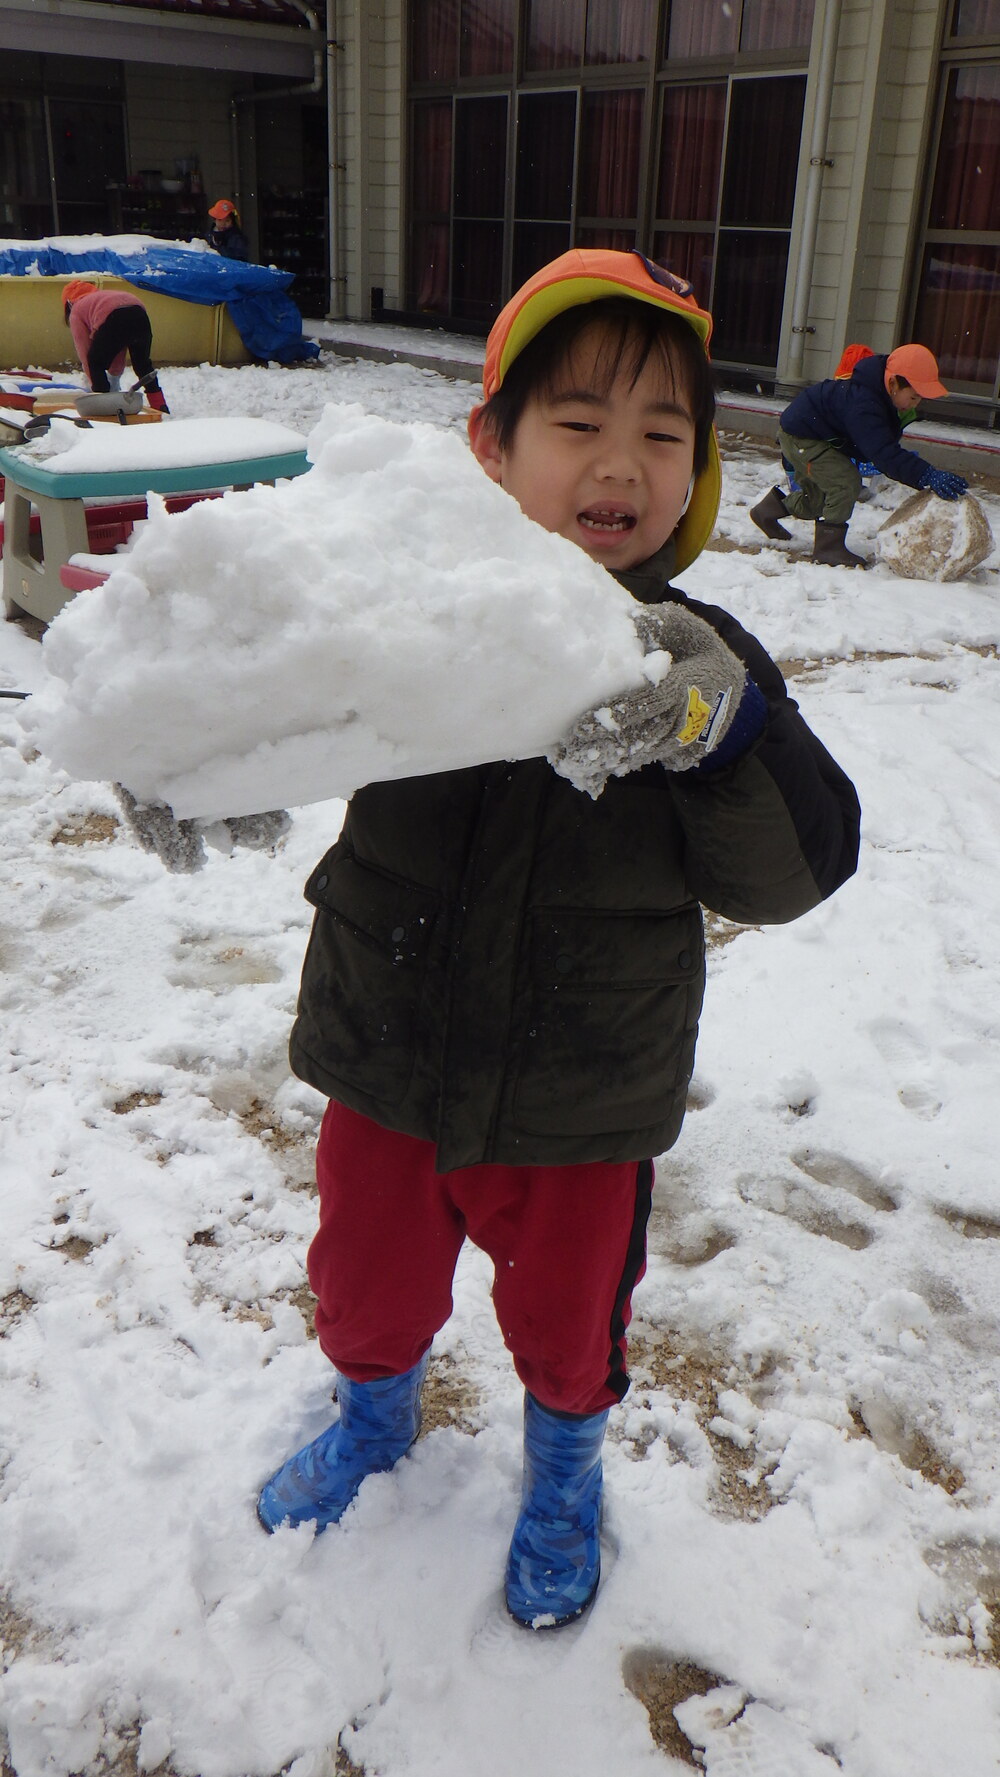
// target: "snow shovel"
[[39, 424], [116, 402]]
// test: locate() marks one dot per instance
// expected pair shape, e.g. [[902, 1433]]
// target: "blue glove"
[[943, 483], [865, 468]]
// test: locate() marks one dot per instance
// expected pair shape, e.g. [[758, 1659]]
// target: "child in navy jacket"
[[833, 426]]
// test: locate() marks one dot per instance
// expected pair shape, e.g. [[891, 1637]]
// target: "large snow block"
[[928, 538]]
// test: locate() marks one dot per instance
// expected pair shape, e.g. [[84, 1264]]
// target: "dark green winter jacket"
[[513, 971]]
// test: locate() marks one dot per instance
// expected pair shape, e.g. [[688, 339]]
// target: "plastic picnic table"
[[108, 462]]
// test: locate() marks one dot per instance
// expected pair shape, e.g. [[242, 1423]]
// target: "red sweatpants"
[[567, 1245]]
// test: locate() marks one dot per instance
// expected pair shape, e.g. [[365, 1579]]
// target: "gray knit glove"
[[676, 720], [180, 844]]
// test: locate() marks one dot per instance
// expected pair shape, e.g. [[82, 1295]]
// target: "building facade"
[[133, 118], [823, 171]]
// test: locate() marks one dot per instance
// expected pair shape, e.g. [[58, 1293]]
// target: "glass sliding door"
[[728, 162], [480, 182], [544, 179], [537, 125], [758, 192], [957, 309]]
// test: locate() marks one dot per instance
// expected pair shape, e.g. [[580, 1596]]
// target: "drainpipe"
[[818, 159], [321, 52], [335, 303], [315, 85]]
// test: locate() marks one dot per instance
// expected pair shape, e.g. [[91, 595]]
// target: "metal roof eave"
[[118, 33]]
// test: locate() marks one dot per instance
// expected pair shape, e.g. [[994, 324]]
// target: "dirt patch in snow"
[[741, 1485], [660, 1682], [12, 1307], [87, 829], [448, 1398], [719, 932]]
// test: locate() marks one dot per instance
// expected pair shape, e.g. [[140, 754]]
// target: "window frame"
[[956, 52], [653, 77]]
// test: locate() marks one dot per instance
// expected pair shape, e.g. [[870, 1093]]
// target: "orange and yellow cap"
[[224, 207], [589, 274]]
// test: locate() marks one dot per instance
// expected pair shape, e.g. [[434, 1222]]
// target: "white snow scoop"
[[110, 404], [115, 401]]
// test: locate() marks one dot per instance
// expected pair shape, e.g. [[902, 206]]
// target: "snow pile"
[[389, 613], [928, 538], [87, 245], [176, 444]]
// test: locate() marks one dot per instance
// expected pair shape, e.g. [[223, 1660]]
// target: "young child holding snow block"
[[502, 988], [835, 429]]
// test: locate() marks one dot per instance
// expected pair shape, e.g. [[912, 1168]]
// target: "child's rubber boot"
[[831, 549], [554, 1564], [378, 1423], [768, 511]]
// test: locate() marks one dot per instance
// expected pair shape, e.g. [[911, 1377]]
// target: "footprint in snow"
[[751, 1740], [787, 1197], [971, 1226], [909, 1064], [834, 1170]]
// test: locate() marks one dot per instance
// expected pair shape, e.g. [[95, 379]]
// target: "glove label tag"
[[703, 720]]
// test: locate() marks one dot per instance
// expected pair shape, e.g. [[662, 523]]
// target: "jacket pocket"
[[364, 973], [610, 1036]]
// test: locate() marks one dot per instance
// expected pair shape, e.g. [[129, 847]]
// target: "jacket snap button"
[[563, 964], [321, 881], [684, 960], [398, 934]]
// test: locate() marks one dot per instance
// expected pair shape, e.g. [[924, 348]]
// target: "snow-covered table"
[[60, 472]]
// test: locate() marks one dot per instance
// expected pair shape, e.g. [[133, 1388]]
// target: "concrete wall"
[[173, 112], [894, 194], [371, 138], [879, 138]]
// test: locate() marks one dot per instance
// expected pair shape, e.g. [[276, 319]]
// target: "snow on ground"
[[803, 1509]]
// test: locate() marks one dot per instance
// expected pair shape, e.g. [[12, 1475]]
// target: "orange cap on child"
[[76, 288], [918, 367], [223, 208]]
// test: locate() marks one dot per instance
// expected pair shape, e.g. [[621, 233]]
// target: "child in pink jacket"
[[107, 326]]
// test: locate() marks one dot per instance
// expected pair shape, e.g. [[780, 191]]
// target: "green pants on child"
[[829, 483]]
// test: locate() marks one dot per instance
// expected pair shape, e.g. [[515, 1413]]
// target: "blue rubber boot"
[[554, 1563], [378, 1423]]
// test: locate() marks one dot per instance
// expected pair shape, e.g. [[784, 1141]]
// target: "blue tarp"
[[265, 316]]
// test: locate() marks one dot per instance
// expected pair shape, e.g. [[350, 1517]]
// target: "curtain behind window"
[[958, 311], [619, 31], [610, 140], [487, 41], [703, 28], [554, 34], [967, 185], [976, 18], [694, 120], [434, 39], [776, 24]]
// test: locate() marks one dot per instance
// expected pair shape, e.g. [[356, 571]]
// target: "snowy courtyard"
[[802, 1520]]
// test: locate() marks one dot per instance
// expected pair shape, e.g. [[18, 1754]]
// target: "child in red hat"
[[226, 235], [833, 426], [501, 993]]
